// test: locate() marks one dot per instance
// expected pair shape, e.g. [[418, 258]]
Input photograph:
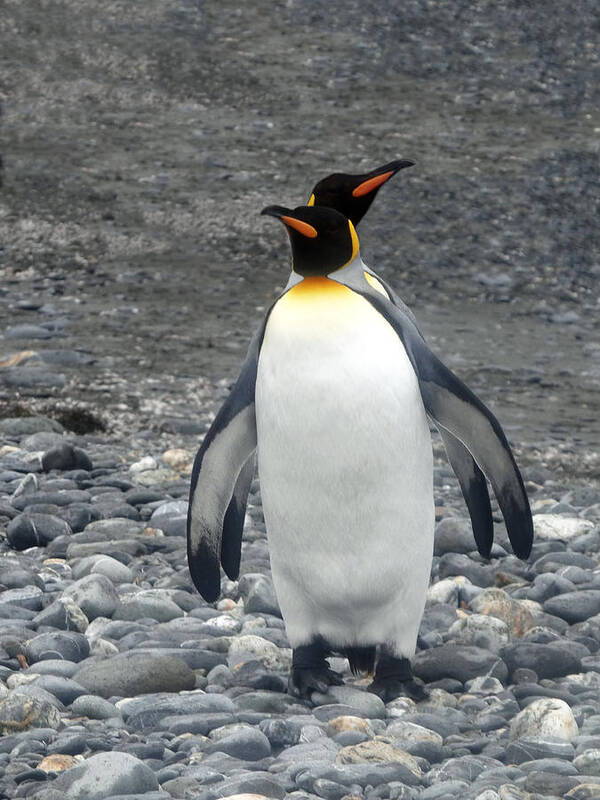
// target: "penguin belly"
[[346, 471]]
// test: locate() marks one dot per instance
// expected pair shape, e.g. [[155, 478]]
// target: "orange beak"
[[302, 227], [372, 183]]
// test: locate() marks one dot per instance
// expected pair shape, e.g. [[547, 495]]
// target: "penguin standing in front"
[[334, 395], [352, 195]]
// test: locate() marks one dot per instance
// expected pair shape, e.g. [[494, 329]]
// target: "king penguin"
[[334, 395], [352, 195]]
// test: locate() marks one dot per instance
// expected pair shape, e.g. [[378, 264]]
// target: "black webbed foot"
[[310, 672], [394, 678]]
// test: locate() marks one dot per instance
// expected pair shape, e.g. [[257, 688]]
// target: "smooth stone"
[[549, 660], [35, 530], [65, 457], [559, 526], [549, 782], [62, 497], [453, 535], [259, 594], [78, 516], [545, 718], [547, 585], [101, 564], [60, 668], [269, 655], [88, 705], [65, 689], [69, 645], [146, 603], [130, 674], [247, 745], [479, 630], [380, 750], [360, 774], [25, 426], [95, 595], [367, 703], [574, 606], [14, 577], [588, 762], [500, 605], [105, 775], [19, 712], [252, 786], [63, 614], [451, 564], [202, 723], [444, 591], [462, 662]]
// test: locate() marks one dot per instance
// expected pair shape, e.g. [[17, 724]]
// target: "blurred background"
[[141, 140]]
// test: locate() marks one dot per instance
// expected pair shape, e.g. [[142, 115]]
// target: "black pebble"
[[64, 457]]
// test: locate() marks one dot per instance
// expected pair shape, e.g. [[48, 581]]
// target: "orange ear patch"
[[373, 183], [302, 227]]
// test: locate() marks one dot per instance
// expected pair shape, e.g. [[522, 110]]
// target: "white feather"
[[346, 472]]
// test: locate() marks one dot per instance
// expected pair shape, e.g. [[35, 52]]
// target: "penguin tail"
[[362, 659]]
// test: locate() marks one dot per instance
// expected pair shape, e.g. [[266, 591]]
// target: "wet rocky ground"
[[139, 144]]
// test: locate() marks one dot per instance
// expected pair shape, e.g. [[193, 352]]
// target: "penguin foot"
[[310, 671], [394, 678], [304, 681]]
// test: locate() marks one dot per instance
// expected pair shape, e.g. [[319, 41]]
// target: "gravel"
[[134, 170]]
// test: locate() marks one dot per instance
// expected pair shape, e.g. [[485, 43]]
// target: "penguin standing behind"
[[334, 394]]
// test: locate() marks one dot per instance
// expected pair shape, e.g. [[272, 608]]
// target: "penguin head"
[[352, 195], [322, 239]]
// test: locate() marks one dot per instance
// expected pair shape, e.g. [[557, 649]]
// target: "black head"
[[322, 239], [352, 195]]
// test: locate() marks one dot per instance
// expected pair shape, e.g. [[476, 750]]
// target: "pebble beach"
[[139, 151]]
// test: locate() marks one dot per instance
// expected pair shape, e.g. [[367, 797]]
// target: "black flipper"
[[233, 524], [471, 479], [474, 489], [226, 448], [454, 407]]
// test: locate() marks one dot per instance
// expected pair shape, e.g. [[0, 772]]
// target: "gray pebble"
[[69, 645]]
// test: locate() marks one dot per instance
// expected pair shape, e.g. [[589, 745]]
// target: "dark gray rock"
[[359, 774], [19, 712], [64, 456], [259, 594], [574, 606], [247, 745], [130, 674], [530, 750], [31, 378], [35, 530], [88, 705], [457, 564], [147, 604], [453, 535], [95, 595], [548, 585], [69, 645], [462, 662], [64, 689], [105, 775], [549, 660], [202, 723], [253, 783], [24, 426], [142, 717]]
